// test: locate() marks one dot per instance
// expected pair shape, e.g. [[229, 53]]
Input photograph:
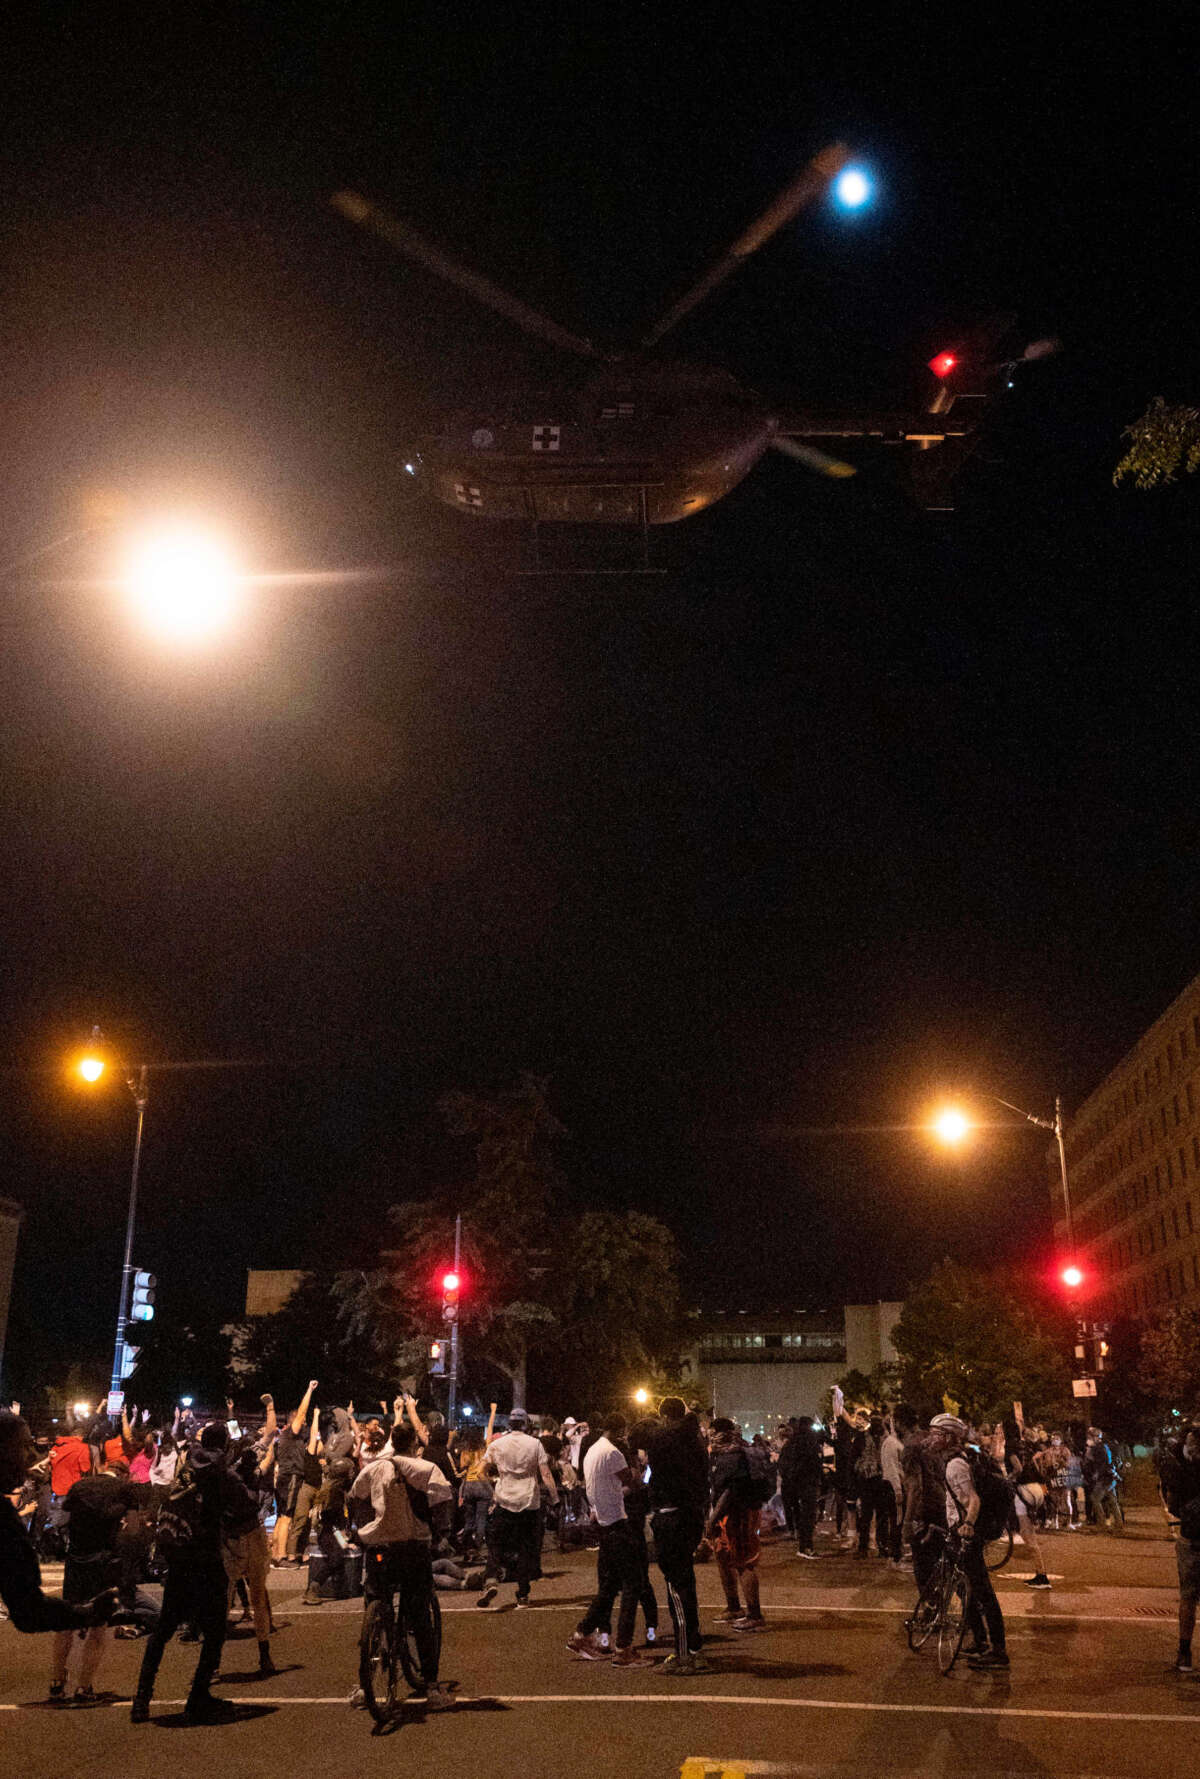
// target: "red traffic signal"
[[450, 1281], [943, 363], [1072, 1277]]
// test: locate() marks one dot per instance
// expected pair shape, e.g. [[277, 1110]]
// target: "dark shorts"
[[1187, 1558], [84, 1578], [287, 1488]]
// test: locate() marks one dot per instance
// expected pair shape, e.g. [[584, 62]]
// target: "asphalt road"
[[830, 1689]]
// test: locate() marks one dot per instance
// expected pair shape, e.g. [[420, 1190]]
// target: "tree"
[[967, 1336], [1169, 1363], [586, 1299], [1163, 441]]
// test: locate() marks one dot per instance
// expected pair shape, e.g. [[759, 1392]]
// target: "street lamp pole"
[[1055, 1125], [140, 1089]]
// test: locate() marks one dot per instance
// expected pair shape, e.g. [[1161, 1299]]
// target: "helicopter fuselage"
[[620, 450]]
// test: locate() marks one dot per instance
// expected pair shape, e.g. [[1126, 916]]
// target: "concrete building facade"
[[1133, 1168], [759, 1367]]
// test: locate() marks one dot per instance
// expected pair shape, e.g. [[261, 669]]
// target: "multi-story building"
[[760, 1366], [1133, 1167]]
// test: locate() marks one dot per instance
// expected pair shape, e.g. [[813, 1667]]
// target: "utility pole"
[[141, 1094], [452, 1395]]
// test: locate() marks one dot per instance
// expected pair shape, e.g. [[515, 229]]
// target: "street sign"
[[1083, 1386], [116, 1402]]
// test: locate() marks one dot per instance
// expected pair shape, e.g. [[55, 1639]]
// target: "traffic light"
[[129, 1358], [437, 1358], [450, 1288], [1072, 1276], [141, 1308], [943, 363]]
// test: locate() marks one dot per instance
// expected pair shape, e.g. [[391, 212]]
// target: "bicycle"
[[387, 1647], [998, 1550], [943, 1606]]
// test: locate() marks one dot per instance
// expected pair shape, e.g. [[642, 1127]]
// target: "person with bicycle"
[[965, 1518], [396, 1492]]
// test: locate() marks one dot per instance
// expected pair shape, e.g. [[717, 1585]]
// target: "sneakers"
[[488, 1595], [1183, 1661], [84, 1695], [991, 1658], [730, 1616], [810, 1556], [651, 1636], [436, 1698], [357, 1700], [586, 1646], [139, 1711], [1038, 1581], [627, 1658], [521, 1602], [58, 1692], [746, 1623]]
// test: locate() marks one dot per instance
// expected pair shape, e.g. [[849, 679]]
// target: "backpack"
[[995, 1493], [177, 1531], [868, 1467], [760, 1486]]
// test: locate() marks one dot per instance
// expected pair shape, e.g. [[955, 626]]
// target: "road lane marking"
[[739, 1700]]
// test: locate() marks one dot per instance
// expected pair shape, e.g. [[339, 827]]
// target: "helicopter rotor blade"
[[807, 186], [389, 228], [813, 459]]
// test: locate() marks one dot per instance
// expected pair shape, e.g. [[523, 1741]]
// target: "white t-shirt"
[[518, 1458], [960, 1484], [890, 1453], [601, 1468]]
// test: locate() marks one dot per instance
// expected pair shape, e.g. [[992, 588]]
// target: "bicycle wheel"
[[997, 1551], [921, 1625], [406, 1644], [952, 1621], [377, 1659]]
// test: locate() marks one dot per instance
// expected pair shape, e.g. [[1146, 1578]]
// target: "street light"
[[92, 1066], [952, 1125], [641, 1396]]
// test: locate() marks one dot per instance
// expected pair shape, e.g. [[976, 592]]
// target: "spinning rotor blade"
[[813, 459], [397, 234], [803, 190]]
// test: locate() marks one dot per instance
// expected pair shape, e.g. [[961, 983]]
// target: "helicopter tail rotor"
[[373, 217], [803, 190]]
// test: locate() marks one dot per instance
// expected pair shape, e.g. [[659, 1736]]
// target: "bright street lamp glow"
[[641, 1395], [183, 585], [951, 1125], [81, 1410], [852, 188], [91, 1067]]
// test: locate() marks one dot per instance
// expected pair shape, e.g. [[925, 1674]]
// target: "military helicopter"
[[640, 440]]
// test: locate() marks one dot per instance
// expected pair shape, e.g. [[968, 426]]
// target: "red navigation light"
[[450, 1281], [943, 364], [1072, 1277]]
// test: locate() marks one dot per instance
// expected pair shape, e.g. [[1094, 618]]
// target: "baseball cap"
[[518, 1418]]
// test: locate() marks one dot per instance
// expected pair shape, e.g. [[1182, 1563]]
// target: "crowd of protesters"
[[393, 1499]]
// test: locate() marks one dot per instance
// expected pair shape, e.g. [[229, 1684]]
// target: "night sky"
[[850, 805]]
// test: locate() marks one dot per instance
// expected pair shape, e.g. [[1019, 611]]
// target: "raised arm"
[[313, 1440], [410, 1403], [301, 1414], [489, 1429], [271, 1424]]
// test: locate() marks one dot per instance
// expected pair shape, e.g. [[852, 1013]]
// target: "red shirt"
[[117, 1452], [70, 1459]]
